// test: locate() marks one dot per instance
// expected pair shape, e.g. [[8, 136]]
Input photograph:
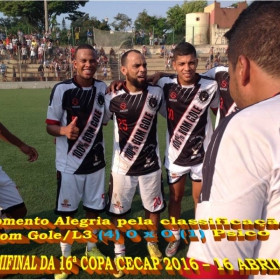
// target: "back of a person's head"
[[255, 34], [184, 48]]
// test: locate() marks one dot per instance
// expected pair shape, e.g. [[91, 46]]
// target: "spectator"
[[104, 69], [77, 35], [68, 37], [24, 53], [14, 74], [57, 36], [89, 37], [144, 50], [211, 56], [101, 52], [41, 72], [3, 72], [151, 37], [112, 53]]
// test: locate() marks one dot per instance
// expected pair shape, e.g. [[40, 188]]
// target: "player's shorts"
[[9, 196], [72, 188], [122, 189], [195, 173]]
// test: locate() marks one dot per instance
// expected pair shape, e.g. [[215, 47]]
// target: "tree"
[[121, 22], [33, 11], [155, 24], [176, 15]]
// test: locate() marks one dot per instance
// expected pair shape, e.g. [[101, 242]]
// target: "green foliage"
[[176, 15], [148, 23], [121, 22], [33, 11]]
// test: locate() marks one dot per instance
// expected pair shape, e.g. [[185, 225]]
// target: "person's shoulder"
[[99, 83]]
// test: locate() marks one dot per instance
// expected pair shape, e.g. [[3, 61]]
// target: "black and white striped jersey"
[[189, 126], [136, 150], [227, 105], [86, 154]]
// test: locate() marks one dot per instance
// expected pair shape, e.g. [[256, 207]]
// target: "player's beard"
[[136, 83]]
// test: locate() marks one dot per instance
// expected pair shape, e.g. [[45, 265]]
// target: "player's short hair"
[[83, 47], [184, 48], [124, 56], [255, 34]]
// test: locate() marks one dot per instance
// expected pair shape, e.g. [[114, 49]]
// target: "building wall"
[[197, 28], [217, 35], [221, 20]]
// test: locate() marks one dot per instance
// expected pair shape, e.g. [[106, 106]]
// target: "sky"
[[110, 9]]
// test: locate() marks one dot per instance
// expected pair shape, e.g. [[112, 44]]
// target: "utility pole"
[[46, 15]]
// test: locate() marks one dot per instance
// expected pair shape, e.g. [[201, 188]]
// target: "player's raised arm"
[[71, 131], [6, 135]]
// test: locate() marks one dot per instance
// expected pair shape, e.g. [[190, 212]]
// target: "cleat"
[[172, 248], [154, 251], [62, 275], [119, 273], [94, 252]]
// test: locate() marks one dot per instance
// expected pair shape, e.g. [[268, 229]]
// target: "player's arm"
[[216, 101], [153, 79], [114, 86], [54, 115], [71, 131], [7, 136], [108, 114]]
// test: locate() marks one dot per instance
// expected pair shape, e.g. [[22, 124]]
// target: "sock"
[[119, 250], [176, 234], [2, 217], [91, 245], [65, 249]]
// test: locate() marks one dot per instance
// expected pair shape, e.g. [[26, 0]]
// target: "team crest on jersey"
[[173, 95], [203, 96], [224, 83], [152, 103], [100, 98], [75, 101], [65, 203]]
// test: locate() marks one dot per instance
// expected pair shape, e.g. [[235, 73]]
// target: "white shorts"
[[122, 189], [72, 188], [9, 195], [195, 172]]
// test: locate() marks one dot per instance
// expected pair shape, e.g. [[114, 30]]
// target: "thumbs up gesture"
[[72, 131]]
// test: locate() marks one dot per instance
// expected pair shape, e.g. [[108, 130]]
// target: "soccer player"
[[227, 105], [241, 174], [11, 203], [188, 97], [136, 157], [75, 116]]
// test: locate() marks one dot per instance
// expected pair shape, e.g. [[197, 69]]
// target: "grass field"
[[24, 113]]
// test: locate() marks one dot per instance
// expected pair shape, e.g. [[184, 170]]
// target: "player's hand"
[[71, 130], [114, 86], [30, 152], [153, 79]]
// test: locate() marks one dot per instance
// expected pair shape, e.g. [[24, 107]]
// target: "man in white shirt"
[[241, 171]]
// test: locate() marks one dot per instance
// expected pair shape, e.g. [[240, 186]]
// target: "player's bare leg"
[[176, 193], [196, 189], [119, 248], [91, 249], [153, 246]]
